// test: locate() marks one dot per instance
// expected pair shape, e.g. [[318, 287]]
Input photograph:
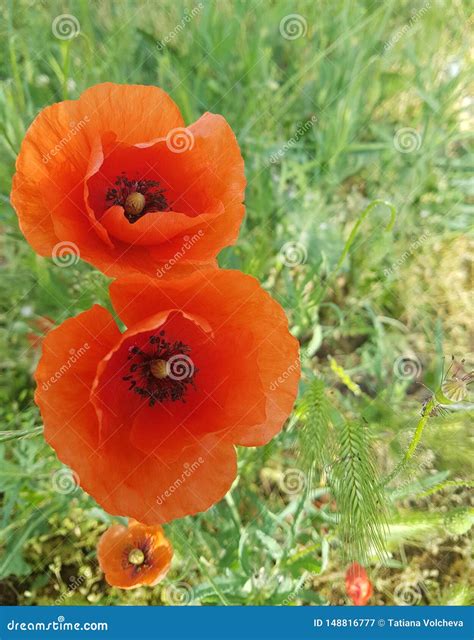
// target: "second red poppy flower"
[[148, 418]]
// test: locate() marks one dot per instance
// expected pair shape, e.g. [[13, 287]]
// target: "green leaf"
[[12, 562], [269, 543]]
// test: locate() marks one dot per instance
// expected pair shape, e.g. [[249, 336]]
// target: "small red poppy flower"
[[135, 555], [358, 585], [116, 178], [148, 418]]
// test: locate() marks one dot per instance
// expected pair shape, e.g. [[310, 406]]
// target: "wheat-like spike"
[[315, 436], [358, 494]]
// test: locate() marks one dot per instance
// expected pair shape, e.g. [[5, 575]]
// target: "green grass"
[[329, 107]]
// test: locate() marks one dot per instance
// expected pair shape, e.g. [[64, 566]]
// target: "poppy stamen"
[[137, 197], [151, 374]]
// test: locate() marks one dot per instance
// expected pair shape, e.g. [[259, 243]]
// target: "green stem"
[[234, 512], [414, 442], [445, 485], [17, 435], [352, 237], [362, 217], [65, 69]]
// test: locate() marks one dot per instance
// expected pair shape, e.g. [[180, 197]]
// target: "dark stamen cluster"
[[141, 378], [154, 196]]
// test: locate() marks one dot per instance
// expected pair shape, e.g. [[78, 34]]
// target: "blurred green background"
[[335, 104]]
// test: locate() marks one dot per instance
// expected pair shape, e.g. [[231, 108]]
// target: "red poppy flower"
[[117, 178], [358, 585], [148, 418], [135, 555]]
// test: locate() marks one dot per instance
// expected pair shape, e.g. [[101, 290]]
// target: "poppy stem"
[[413, 443], [233, 510]]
